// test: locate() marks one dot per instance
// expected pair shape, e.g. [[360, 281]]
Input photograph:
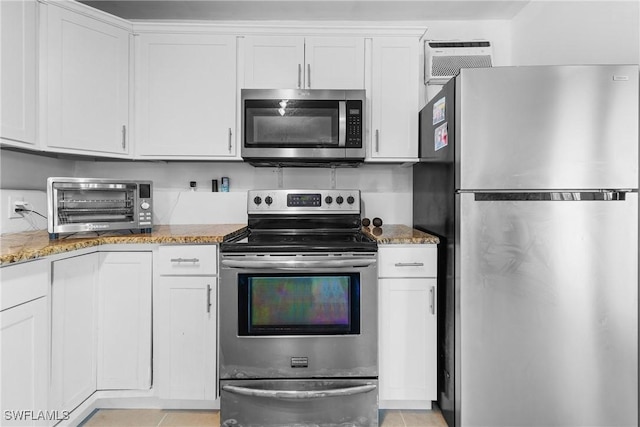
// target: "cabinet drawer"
[[23, 282], [187, 260], [407, 261]]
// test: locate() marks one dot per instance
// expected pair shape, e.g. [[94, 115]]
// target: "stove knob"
[[350, 200], [328, 200], [257, 200], [339, 200], [268, 200], [145, 205]]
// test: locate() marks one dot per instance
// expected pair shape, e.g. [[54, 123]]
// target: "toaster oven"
[[77, 205]]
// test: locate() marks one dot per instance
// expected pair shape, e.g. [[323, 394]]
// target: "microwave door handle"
[[342, 123], [299, 394]]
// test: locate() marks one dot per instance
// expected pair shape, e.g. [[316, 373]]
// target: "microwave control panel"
[[354, 124]]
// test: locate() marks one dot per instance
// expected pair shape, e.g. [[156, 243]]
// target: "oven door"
[[299, 403], [298, 316]]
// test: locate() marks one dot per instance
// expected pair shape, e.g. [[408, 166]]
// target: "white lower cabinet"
[[74, 300], [124, 321], [408, 326], [24, 343], [185, 326]]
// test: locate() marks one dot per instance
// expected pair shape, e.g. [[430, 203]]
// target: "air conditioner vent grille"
[[450, 65]]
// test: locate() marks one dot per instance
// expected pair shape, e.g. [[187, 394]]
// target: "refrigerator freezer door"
[[560, 127], [548, 294]]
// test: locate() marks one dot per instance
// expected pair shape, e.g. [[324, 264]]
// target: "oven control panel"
[[309, 201]]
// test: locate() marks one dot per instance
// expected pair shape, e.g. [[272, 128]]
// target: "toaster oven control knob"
[[145, 205], [328, 200], [350, 200], [257, 200], [268, 200], [339, 200]]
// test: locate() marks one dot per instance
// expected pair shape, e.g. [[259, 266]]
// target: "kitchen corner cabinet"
[[186, 96], [74, 301], [24, 338], [86, 90], [394, 99], [19, 72], [408, 326], [124, 321], [185, 326], [289, 62]]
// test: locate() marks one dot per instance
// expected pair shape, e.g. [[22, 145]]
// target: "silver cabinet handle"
[[308, 75], [377, 140], [432, 300], [179, 260], [124, 137], [299, 394], [409, 264], [230, 137], [299, 76], [208, 298]]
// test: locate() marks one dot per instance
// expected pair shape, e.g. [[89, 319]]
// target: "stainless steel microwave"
[[94, 204], [303, 126]]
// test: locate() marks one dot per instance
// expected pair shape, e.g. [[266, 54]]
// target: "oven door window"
[[298, 304], [292, 123]]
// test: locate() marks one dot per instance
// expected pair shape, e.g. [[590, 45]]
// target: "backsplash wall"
[[386, 188]]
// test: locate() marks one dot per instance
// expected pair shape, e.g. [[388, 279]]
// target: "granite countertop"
[[399, 234], [29, 245]]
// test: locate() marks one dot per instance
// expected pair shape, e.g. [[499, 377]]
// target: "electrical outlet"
[[15, 201]]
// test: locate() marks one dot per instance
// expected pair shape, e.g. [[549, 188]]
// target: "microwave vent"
[[443, 60]]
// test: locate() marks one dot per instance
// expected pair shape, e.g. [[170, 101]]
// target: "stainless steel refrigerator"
[[529, 175]]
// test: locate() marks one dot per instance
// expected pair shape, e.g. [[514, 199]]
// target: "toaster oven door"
[[93, 206]]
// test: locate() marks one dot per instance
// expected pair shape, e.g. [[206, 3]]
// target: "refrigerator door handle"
[[552, 196]]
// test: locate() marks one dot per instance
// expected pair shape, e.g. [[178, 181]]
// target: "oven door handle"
[[295, 264], [299, 394]]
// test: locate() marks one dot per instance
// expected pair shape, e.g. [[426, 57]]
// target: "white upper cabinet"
[[19, 77], [394, 99], [186, 96], [273, 62], [86, 84]]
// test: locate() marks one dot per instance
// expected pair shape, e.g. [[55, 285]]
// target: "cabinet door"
[[87, 84], [124, 321], [274, 62], [24, 349], [19, 62], [394, 99], [185, 337], [334, 62], [186, 95], [408, 340], [73, 330]]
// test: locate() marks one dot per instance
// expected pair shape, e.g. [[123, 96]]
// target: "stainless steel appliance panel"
[[547, 326], [546, 127], [302, 126], [271, 403], [275, 356]]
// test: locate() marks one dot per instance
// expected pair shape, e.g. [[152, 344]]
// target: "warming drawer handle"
[[179, 260], [298, 264], [299, 394]]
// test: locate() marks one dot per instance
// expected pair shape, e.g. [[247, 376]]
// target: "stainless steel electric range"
[[298, 314]]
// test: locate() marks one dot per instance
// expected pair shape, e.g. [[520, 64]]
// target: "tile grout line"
[[163, 417], [404, 423]]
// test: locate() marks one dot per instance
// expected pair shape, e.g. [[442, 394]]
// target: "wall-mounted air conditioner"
[[444, 59]]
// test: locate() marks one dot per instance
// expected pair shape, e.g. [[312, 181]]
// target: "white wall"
[[577, 32]]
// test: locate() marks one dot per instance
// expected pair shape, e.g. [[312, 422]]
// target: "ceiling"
[[303, 10]]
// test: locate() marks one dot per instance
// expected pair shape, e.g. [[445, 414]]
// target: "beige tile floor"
[[180, 418]]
